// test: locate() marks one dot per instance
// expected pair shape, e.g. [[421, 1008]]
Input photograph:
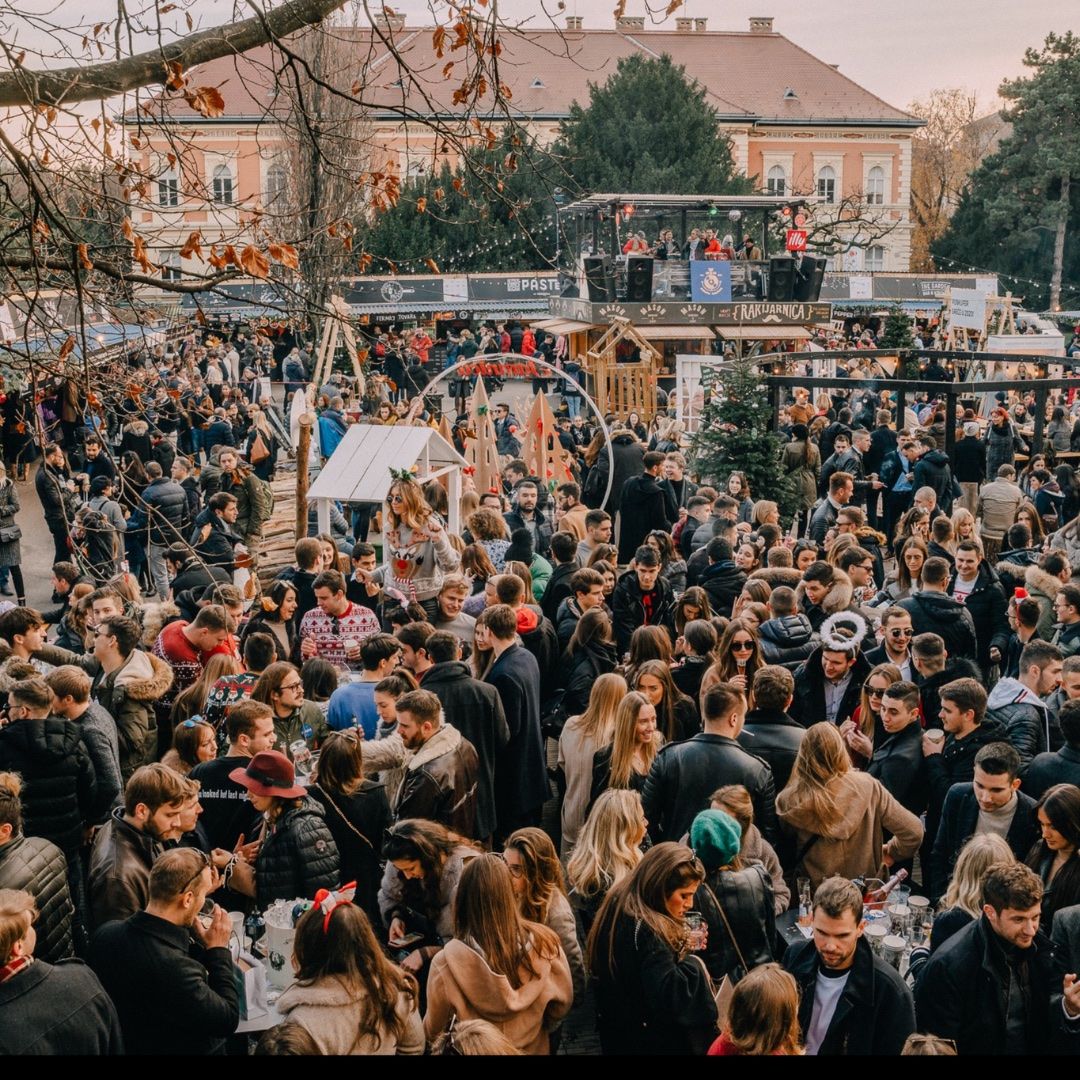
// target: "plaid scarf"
[[13, 967]]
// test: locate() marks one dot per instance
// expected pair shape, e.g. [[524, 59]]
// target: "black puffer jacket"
[[167, 508], [213, 540], [39, 867], [936, 613], [49, 484], [988, 607], [581, 670], [58, 778], [298, 856], [723, 581], [786, 639], [933, 470]]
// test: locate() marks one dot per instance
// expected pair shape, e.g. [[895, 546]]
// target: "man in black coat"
[[684, 774], [991, 801], [55, 489], [475, 709], [527, 514], [564, 558], [170, 978], [1061, 766], [50, 1009], [969, 464], [189, 575], [932, 610], [996, 987], [976, 586], [874, 1013], [643, 506], [213, 537], [641, 598], [166, 507], [721, 579], [629, 457], [828, 683], [521, 785], [769, 733], [841, 491], [897, 761], [932, 470], [882, 444]]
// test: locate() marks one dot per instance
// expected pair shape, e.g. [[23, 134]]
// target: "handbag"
[[725, 989], [259, 450], [9, 534]]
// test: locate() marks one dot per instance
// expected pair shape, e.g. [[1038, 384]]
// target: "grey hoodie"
[[1024, 716]]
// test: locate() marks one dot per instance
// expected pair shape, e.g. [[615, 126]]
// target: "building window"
[[826, 183], [223, 185], [415, 169], [170, 264], [875, 186], [776, 182], [875, 259], [168, 190], [276, 181]]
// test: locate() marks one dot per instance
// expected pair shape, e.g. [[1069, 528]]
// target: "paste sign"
[[968, 309]]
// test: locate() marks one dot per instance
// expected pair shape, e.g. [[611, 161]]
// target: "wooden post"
[[950, 421], [1041, 395], [303, 451]]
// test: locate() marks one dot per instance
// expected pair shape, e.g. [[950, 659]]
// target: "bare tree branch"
[[74, 84]]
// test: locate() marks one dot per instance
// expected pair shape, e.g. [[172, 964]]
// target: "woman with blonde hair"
[[634, 745], [864, 728], [473, 1038], [192, 701], [537, 877], [498, 966], [607, 849], [582, 736], [676, 714], [838, 817], [418, 551], [964, 526], [763, 1016]]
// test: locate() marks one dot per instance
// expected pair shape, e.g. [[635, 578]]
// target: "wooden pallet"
[[279, 533]]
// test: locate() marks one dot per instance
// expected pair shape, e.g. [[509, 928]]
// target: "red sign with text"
[[796, 239]]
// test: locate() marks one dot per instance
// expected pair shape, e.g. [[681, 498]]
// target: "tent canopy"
[[359, 469], [763, 333]]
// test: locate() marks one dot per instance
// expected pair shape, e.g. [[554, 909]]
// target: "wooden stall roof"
[[359, 469], [763, 333], [676, 333]]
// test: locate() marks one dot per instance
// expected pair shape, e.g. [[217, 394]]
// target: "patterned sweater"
[[330, 634], [417, 560]]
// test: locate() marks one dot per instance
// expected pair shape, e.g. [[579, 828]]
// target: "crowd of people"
[[625, 747]]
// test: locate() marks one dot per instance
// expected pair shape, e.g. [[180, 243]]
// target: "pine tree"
[[734, 436], [897, 334]]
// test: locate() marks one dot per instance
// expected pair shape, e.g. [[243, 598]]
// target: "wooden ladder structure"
[[623, 388], [336, 327]]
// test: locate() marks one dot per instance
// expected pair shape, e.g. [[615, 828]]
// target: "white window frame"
[[874, 259], [826, 175], [171, 265], [776, 181], [875, 185], [275, 191], [168, 189], [223, 195]]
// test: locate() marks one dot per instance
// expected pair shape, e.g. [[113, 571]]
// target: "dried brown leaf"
[[254, 261]]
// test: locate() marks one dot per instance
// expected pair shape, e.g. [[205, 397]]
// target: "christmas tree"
[[896, 334], [735, 436]]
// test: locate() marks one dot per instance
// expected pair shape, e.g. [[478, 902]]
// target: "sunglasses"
[[198, 873], [901, 633], [873, 691], [742, 646]]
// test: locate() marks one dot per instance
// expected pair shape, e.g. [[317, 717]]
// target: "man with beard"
[[128, 843]]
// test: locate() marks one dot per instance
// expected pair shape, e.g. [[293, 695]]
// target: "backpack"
[[262, 503]]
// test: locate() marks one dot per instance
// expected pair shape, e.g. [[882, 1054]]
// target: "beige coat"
[[461, 984], [573, 521], [330, 1013], [853, 846]]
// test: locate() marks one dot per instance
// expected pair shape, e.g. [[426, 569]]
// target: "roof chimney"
[[700, 24], [389, 21], [574, 22], [630, 22], [684, 26], [761, 24]]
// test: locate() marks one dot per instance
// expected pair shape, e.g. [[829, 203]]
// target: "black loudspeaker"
[[808, 278], [599, 278], [638, 279], [781, 278]]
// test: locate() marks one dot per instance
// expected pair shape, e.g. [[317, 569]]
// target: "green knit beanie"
[[716, 838]]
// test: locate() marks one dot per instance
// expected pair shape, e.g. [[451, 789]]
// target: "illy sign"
[[796, 239]]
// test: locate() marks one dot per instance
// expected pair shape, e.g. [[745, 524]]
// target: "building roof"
[[752, 77]]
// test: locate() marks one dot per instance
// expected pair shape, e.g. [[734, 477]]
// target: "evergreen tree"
[[734, 435], [1022, 204], [648, 129], [897, 334]]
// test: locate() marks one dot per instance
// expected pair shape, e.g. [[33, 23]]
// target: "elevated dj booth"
[[600, 274]]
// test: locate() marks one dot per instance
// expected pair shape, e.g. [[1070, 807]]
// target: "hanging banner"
[[710, 282], [968, 309]]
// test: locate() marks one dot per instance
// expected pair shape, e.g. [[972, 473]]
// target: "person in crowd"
[[837, 816], [976, 586], [897, 757], [193, 742], [1066, 608], [625, 761], [1062, 766], [996, 986], [274, 615], [641, 598], [586, 593], [347, 995], [934, 668], [559, 589], [998, 502], [170, 977], [737, 903], [697, 649], [526, 514], [933, 610], [738, 658], [39, 867], [828, 683], [353, 704], [683, 774], [735, 800], [297, 854], [1019, 704], [424, 864], [644, 506], [281, 687], [841, 489], [762, 1016], [787, 637], [852, 1002], [302, 574], [823, 592], [991, 803], [213, 536], [498, 966], [590, 654], [520, 772], [335, 629], [865, 728], [1054, 856], [55, 491], [676, 714], [572, 510], [652, 996], [721, 578], [49, 1008], [769, 733], [895, 631], [452, 617]]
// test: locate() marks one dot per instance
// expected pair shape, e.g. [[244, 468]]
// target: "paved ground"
[[37, 546]]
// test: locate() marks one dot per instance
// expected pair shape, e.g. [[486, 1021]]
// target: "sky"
[[899, 50]]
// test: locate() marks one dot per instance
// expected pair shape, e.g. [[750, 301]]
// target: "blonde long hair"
[[822, 759], [975, 858], [604, 854], [624, 740], [415, 510], [598, 720]]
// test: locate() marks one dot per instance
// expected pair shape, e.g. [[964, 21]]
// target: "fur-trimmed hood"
[[137, 427], [775, 576], [445, 741], [154, 618], [838, 598], [144, 677], [15, 668], [1037, 580]]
